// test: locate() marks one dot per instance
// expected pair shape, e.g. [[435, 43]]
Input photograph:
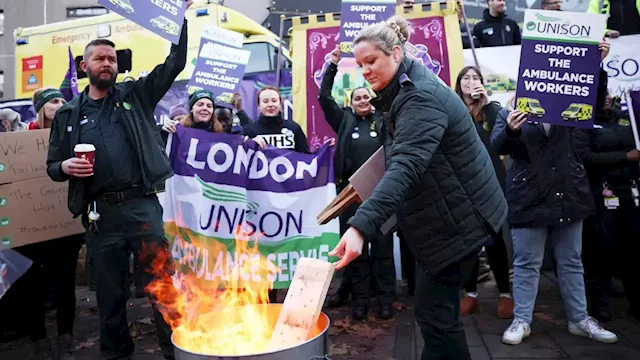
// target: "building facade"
[[27, 13]]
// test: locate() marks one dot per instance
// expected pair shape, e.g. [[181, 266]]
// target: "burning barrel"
[[188, 347]]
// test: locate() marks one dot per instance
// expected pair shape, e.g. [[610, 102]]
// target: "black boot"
[[360, 312], [385, 311], [602, 314], [336, 300]]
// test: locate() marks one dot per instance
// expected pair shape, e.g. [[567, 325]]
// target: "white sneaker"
[[517, 331], [590, 328]]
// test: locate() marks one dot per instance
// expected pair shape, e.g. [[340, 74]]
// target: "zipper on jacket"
[[502, 35]]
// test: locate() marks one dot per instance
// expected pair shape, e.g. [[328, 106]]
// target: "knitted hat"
[[45, 96], [200, 94], [177, 110], [10, 115]]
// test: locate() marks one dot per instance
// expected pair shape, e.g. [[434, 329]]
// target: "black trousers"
[[408, 263], [611, 244], [437, 303], [499, 263], [54, 262], [110, 249], [373, 270]]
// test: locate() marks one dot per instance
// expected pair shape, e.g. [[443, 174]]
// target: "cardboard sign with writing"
[[23, 155], [35, 210]]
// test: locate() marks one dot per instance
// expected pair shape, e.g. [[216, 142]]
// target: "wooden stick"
[[346, 197]]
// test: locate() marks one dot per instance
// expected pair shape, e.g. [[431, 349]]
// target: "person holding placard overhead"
[[439, 184], [549, 197], [357, 130], [105, 142]]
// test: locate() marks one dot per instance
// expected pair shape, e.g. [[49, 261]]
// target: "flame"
[[204, 314]]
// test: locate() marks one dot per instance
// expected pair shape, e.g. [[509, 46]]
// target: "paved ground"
[[394, 339]]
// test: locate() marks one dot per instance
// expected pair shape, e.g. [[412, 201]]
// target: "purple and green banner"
[[162, 17], [221, 64], [560, 67], [227, 191], [356, 15], [633, 104]]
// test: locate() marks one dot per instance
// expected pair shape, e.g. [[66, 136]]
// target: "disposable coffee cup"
[[475, 96], [85, 151]]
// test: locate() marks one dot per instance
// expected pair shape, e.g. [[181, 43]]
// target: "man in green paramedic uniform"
[[116, 195]]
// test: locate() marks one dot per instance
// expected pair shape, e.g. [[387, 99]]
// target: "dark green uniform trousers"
[[372, 270], [132, 226]]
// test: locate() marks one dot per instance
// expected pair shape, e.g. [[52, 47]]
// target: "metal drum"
[[315, 348]]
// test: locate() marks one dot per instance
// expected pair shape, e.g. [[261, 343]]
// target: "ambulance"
[[530, 106], [578, 112], [42, 54]]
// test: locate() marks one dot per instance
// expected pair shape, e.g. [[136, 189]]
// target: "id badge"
[[612, 202]]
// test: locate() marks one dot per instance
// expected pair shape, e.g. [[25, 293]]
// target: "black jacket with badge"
[[497, 31], [439, 178], [466, 39], [546, 184], [284, 134], [343, 121], [603, 150], [135, 102]]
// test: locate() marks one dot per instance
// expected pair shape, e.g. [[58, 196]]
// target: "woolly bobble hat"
[[177, 110]]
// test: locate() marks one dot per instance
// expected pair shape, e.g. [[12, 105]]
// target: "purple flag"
[[633, 103], [69, 86]]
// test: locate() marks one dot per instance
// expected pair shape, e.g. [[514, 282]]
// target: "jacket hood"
[[487, 16]]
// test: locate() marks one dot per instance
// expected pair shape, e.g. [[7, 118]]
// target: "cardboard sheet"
[[35, 210]]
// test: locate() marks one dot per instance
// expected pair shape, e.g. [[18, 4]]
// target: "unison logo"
[[558, 26]]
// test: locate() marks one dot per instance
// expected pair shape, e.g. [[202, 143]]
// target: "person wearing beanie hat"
[[46, 102], [56, 257], [202, 116], [177, 112], [11, 120]]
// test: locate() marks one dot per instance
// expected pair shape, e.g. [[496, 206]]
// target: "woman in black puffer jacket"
[[357, 129]]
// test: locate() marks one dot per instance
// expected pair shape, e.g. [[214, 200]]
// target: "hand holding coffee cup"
[[81, 165], [479, 92], [85, 151]]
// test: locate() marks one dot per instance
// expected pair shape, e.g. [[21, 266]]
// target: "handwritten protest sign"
[[34, 211], [221, 63], [560, 67], [33, 207], [23, 155], [355, 15], [163, 17]]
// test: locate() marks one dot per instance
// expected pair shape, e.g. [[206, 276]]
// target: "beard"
[[102, 84]]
